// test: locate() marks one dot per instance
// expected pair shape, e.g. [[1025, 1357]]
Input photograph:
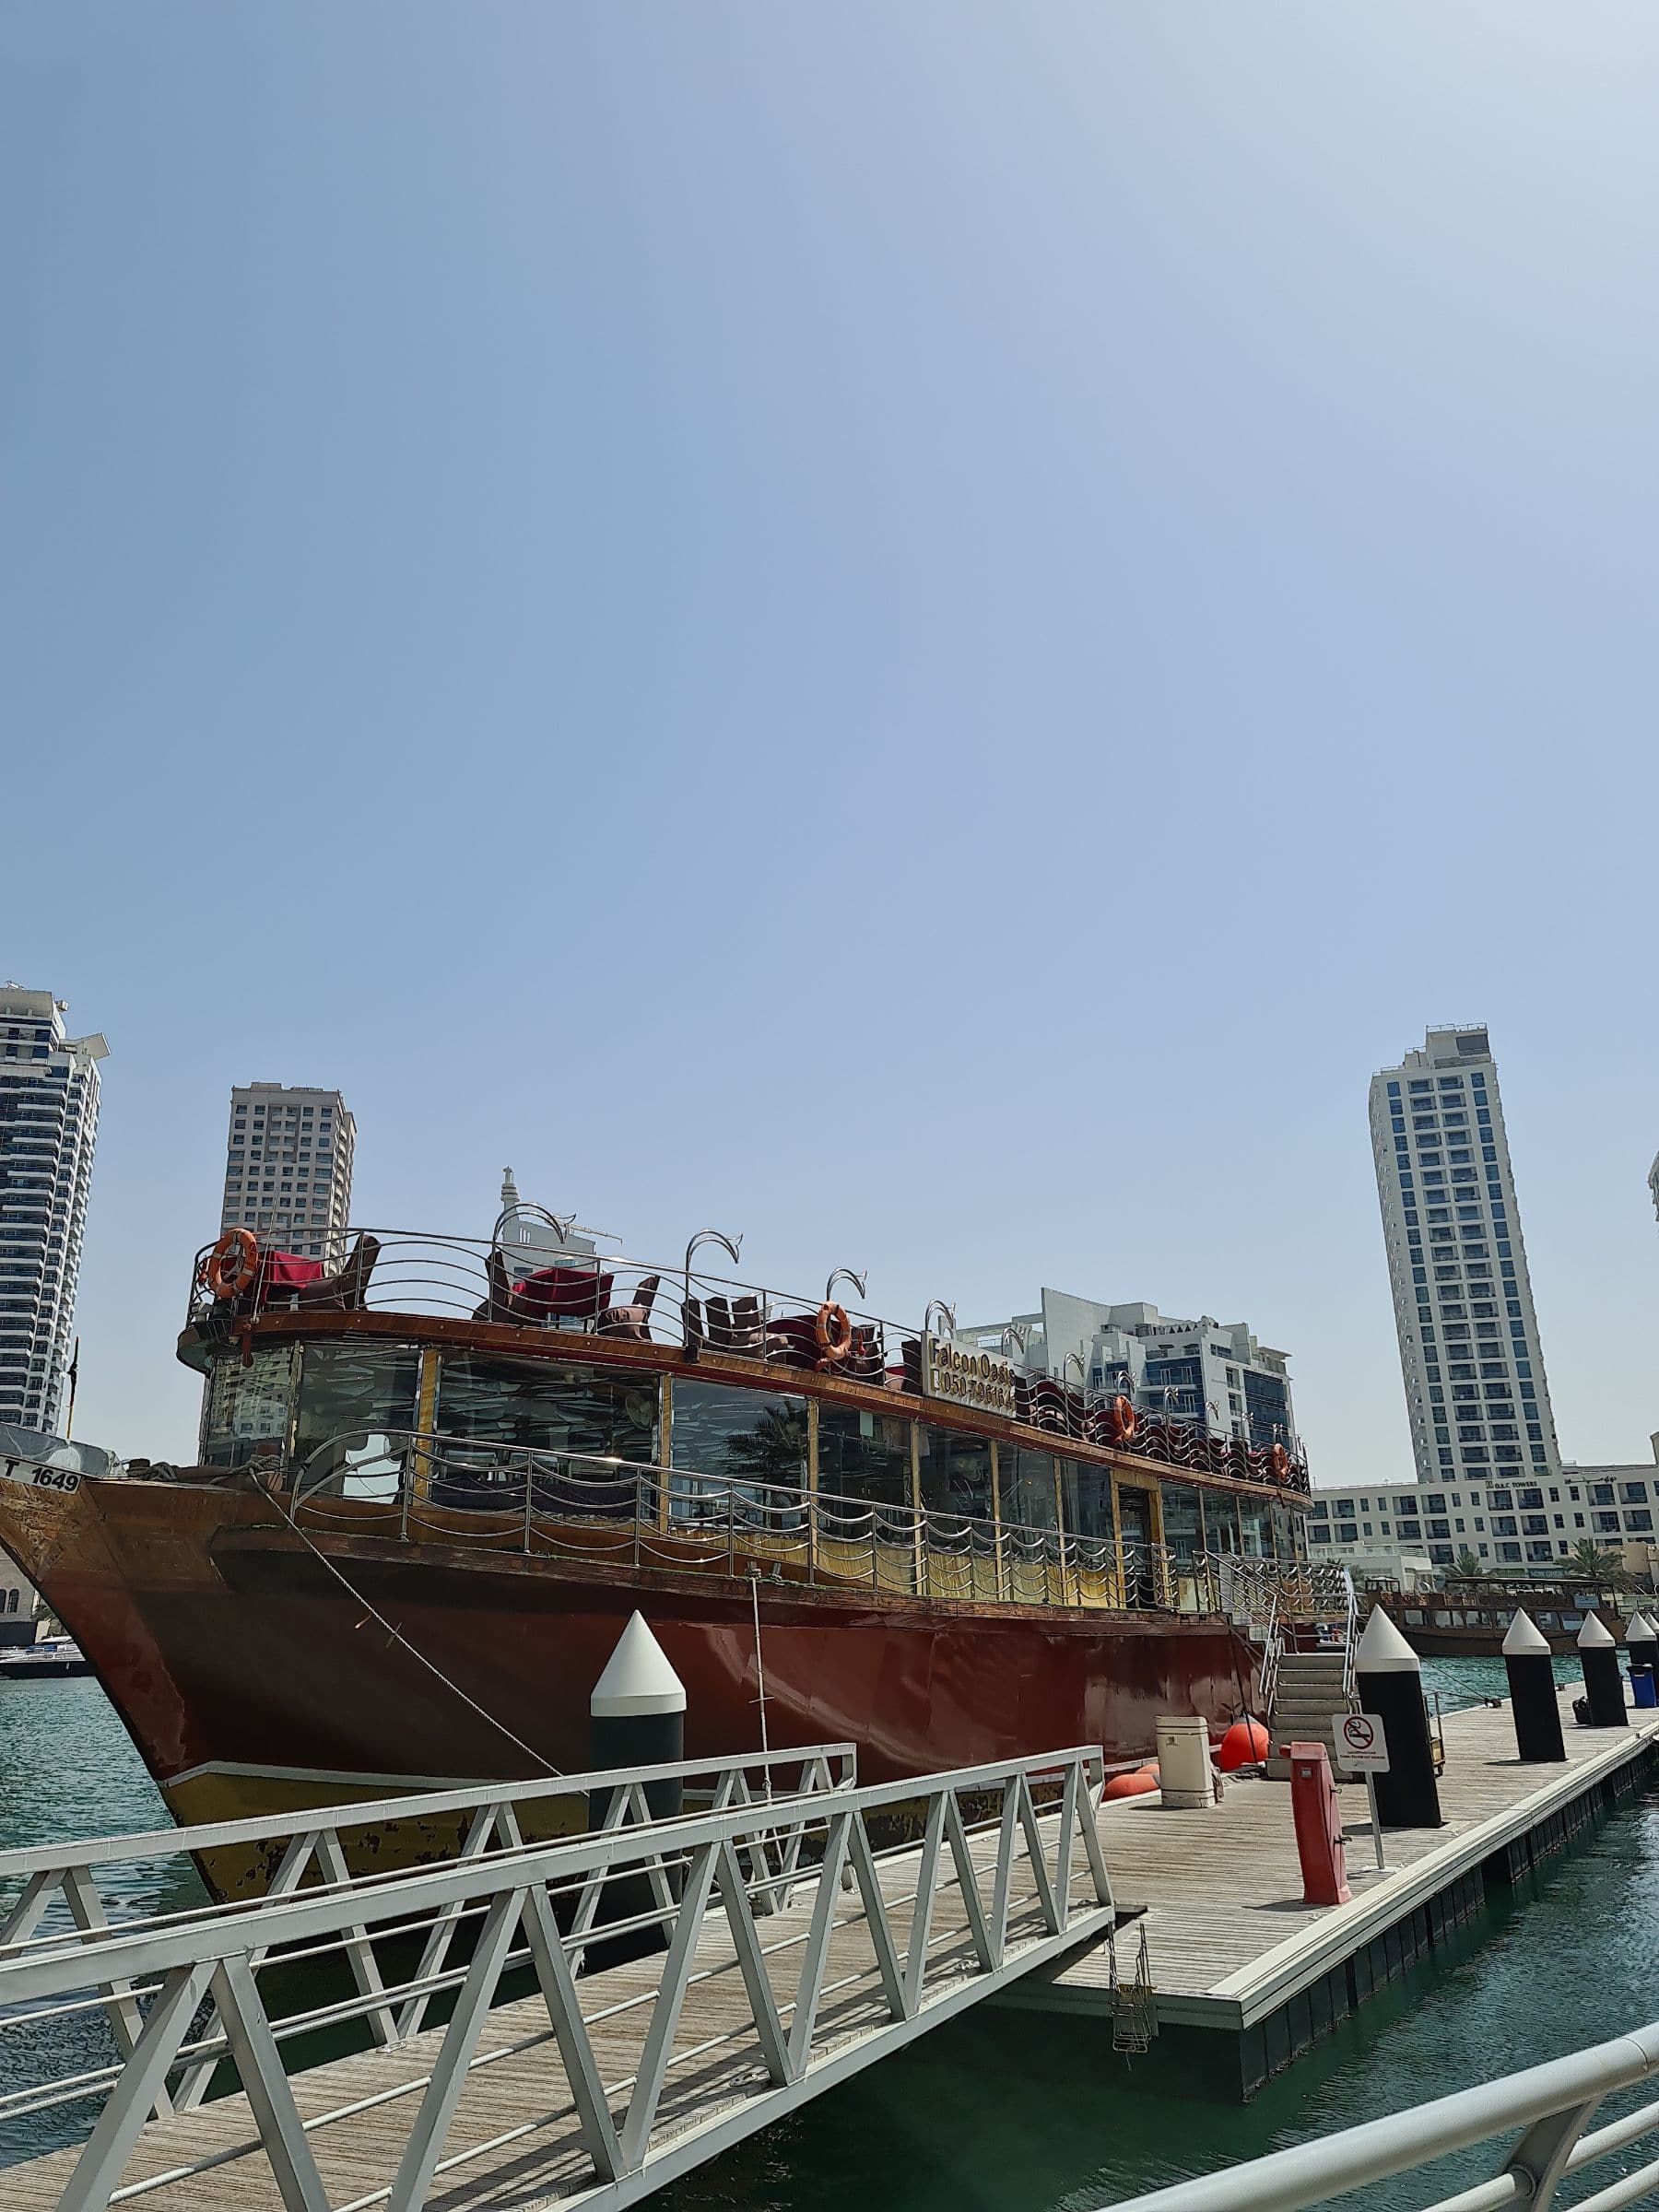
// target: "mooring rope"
[[415, 1653]]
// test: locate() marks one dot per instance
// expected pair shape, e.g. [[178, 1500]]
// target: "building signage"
[[963, 1378]]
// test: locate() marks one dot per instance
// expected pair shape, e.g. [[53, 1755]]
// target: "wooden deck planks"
[[1229, 1936]]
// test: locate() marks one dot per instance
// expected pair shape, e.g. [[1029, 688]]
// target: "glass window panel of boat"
[[864, 1456], [755, 1437], [1284, 1531], [955, 1473], [1086, 1498], [547, 1407], [1256, 1527], [246, 1405], [356, 1403], [1182, 1520], [1025, 1481], [1222, 1522]]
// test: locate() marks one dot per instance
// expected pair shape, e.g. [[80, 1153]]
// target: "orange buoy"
[[1131, 1785], [1246, 1744]]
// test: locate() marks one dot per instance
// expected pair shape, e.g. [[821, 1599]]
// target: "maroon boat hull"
[[252, 1667]]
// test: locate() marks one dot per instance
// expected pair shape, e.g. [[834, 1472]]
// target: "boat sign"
[[963, 1378], [37, 1478], [1361, 1744]]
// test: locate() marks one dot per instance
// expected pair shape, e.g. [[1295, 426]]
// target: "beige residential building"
[[287, 1168]]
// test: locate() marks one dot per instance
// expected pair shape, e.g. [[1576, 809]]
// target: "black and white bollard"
[[1603, 1685], [636, 1718], [1640, 1640], [1388, 1676], [1534, 1706]]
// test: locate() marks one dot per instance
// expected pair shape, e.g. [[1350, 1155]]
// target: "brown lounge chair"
[[632, 1320]]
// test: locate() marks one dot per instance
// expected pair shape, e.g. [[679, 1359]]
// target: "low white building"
[[1525, 1523], [1210, 1374]]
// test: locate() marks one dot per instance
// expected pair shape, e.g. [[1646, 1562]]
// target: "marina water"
[[1027, 2113]]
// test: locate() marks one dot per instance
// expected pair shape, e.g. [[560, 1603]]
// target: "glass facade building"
[[49, 1100]]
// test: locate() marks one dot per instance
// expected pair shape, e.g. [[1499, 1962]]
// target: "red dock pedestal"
[[1317, 1810]]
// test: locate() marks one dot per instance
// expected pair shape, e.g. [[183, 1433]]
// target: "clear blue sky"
[[923, 630]]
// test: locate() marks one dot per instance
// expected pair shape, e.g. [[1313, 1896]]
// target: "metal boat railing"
[[1008, 1873], [1551, 2106], [424, 1488], [685, 1308]]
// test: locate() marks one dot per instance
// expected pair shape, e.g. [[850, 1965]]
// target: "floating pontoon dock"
[[1233, 1950]]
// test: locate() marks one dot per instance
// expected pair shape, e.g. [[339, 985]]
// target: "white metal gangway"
[[1545, 2109], [804, 1937]]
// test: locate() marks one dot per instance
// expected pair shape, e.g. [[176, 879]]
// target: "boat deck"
[[1232, 1945]]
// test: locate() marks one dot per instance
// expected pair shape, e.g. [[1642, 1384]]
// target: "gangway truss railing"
[[51, 1896], [995, 1870], [1545, 2109]]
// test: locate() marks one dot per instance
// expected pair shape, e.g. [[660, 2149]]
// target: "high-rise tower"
[[287, 1168], [49, 1095], [1469, 1350]]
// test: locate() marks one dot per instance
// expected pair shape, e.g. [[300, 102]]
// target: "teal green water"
[[1022, 2114]]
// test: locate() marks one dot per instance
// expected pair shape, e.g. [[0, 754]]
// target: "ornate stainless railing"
[[1551, 2106], [423, 1487], [675, 1304]]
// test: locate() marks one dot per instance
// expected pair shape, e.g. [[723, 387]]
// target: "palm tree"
[[1588, 1558], [1468, 1568]]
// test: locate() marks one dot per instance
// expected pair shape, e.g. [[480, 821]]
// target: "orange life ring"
[[834, 1332], [1122, 1415], [1279, 1460], [232, 1263]]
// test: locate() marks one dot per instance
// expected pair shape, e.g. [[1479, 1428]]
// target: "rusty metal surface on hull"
[[245, 1660]]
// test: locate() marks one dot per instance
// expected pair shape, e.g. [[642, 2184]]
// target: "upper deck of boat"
[[441, 1296]]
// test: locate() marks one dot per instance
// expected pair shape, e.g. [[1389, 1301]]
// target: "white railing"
[[57, 1895], [1552, 2105], [1006, 1875]]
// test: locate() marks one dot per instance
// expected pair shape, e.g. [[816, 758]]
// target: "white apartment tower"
[[287, 1168], [1469, 1350], [49, 1095]]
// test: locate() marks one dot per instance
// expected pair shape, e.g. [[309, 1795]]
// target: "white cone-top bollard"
[[1603, 1685], [637, 1716], [1388, 1676], [1534, 1708]]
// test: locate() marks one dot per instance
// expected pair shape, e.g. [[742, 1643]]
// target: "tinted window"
[[547, 1407], [1087, 1493], [1184, 1528], [955, 1473], [357, 1396], [753, 1434], [864, 1456], [246, 1405], [1026, 1480]]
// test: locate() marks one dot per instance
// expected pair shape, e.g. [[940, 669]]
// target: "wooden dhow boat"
[[438, 1476]]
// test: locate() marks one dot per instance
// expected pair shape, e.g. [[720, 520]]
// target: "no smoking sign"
[[1361, 1745]]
